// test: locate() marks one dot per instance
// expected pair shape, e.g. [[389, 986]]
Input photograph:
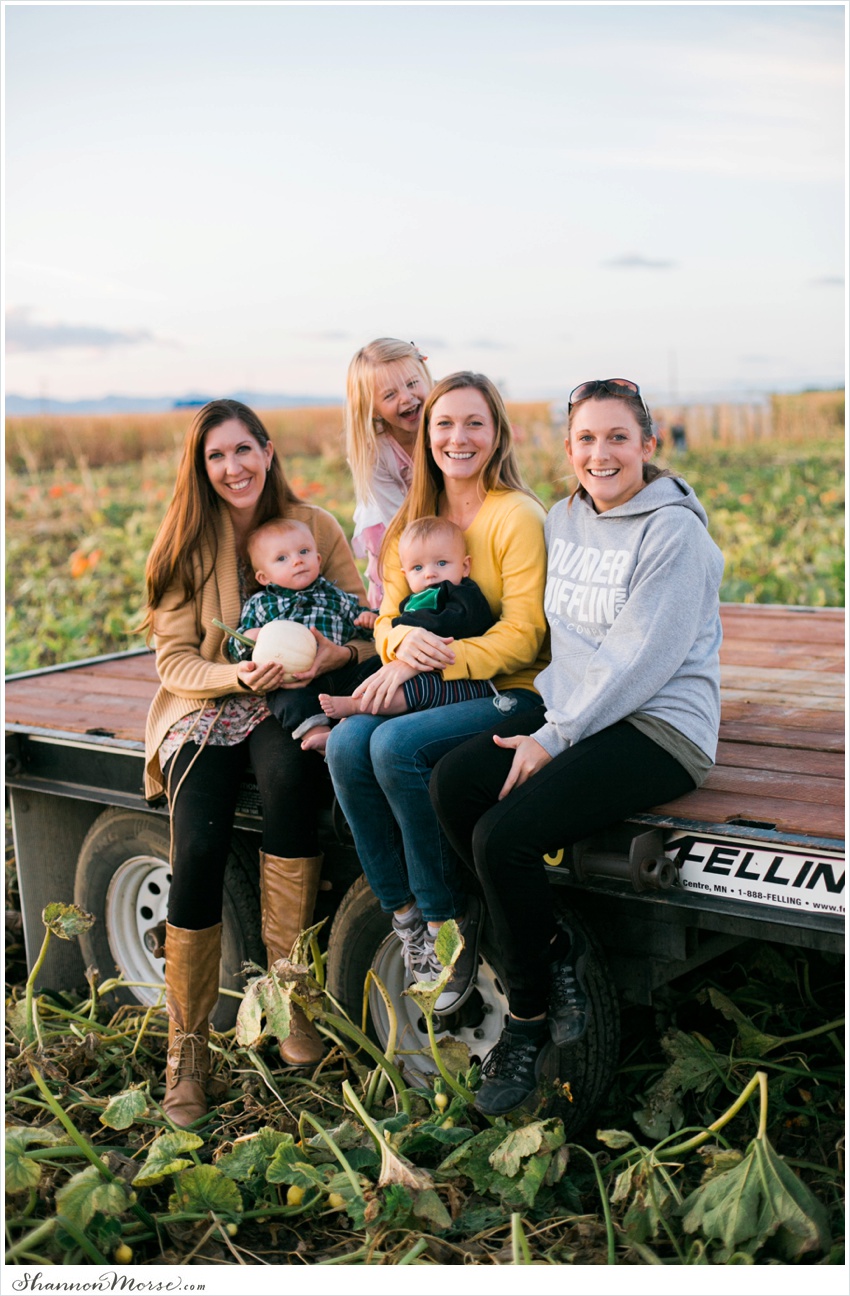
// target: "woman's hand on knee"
[[424, 651], [379, 689], [529, 757]]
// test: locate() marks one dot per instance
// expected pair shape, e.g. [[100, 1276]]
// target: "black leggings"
[[598, 782], [293, 784]]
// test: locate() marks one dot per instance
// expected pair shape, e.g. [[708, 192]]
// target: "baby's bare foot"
[[316, 739], [338, 707]]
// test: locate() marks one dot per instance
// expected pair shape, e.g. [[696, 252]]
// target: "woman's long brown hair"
[[191, 516]]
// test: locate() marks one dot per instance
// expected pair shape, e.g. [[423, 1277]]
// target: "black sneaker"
[[511, 1071], [568, 1006], [465, 970]]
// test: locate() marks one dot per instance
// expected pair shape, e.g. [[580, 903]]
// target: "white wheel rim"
[[137, 900], [414, 1052]]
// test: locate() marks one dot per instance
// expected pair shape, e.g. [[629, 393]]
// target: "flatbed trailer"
[[756, 853]]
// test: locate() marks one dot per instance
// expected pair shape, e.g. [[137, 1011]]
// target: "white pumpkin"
[[288, 642]]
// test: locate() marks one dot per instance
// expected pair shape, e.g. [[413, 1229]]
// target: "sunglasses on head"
[[613, 386]]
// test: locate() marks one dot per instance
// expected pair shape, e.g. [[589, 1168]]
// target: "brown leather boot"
[[288, 888], [191, 990]]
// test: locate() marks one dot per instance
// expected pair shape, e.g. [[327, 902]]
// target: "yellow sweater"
[[508, 552], [190, 650]]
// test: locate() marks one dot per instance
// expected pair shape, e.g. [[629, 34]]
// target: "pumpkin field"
[[721, 1141], [84, 498]]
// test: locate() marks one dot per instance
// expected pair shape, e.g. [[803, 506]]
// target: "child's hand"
[[253, 633], [366, 620]]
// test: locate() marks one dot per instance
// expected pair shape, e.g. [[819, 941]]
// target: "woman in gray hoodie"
[[630, 713]]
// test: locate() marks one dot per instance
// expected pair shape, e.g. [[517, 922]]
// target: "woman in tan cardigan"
[[209, 718]]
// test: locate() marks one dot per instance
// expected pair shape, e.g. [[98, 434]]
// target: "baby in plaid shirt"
[[286, 565]]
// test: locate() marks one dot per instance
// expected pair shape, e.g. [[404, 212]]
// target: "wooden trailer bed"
[[780, 760]]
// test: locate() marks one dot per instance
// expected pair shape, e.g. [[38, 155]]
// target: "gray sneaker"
[[465, 970], [413, 940]]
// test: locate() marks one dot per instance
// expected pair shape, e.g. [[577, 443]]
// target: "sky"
[[214, 197]]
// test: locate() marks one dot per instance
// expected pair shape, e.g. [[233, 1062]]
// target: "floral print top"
[[222, 722]]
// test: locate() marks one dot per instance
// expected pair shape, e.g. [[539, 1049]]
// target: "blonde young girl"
[[386, 388]]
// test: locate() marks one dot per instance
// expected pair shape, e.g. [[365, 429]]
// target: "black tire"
[[123, 878], [590, 1065], [361, 938]]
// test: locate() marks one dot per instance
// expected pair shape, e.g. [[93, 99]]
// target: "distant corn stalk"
[[37, 442]]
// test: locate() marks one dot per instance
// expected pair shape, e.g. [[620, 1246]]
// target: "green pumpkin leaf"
[[204, 1188], [165, 1157], [448, 946], [428, 1207], [754, 1043], [124, 1108], [52, 1135], [17, 1021], [21, 1173], [558, 1166], [613, 1138], [251, 1154], [473, 1158], [396, 1206], [455, 1054], [66, 920], [482, 1157], [267, 999], [718, 1160], [88, 1192], [524, 1143], [346, 1135], [288, 1166], [302, 947], [449, 943], [694, 1066], [651, 1203], [759, 1199]]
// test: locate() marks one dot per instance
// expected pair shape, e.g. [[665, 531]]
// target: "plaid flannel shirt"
[[322, 604]]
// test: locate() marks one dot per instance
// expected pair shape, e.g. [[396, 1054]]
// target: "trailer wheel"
[[123, 878], [362, 938]]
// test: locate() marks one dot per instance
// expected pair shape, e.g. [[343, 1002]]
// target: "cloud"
[[487, 344], [25, 334], [755, 359], [828, 281], [634, 261]]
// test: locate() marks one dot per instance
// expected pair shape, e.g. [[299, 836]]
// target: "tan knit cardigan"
[[190, 658]]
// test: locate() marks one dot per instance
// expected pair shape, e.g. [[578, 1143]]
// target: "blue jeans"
[[381, 767]]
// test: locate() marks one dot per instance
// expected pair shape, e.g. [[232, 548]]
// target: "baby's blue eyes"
[[285, 557]]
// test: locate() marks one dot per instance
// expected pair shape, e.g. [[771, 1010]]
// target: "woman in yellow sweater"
[[465, 470], [209, 718]]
